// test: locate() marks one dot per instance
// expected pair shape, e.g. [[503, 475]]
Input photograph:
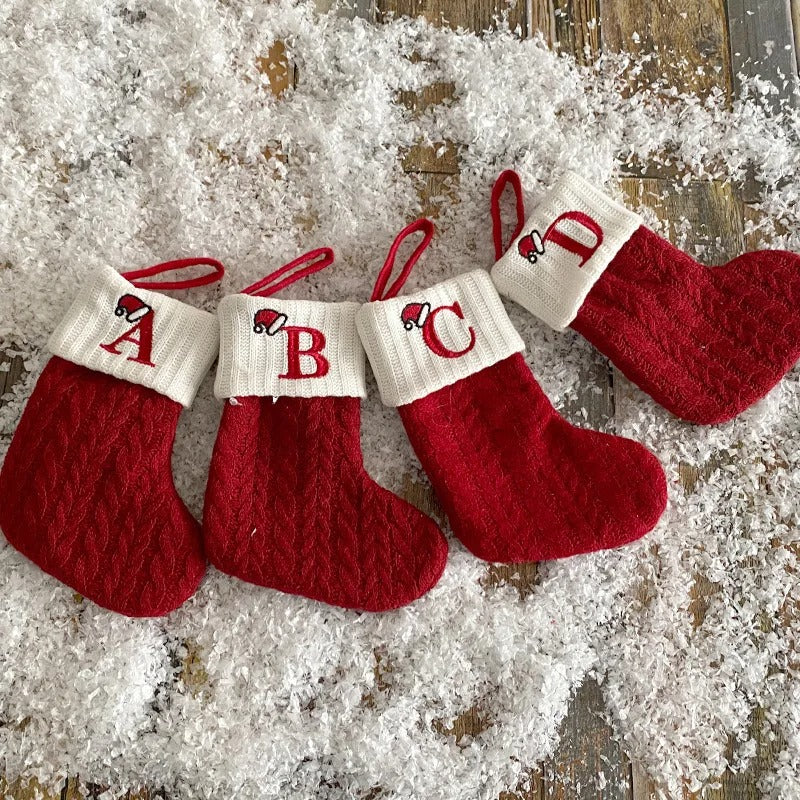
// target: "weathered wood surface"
[[689, 38], [473, 15], [11, 369], [695, 45], [702, 44], [762, 44]]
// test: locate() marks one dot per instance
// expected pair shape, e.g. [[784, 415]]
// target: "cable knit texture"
[[520, 483], [564, 246], [290, 506], [704, 342], [86, 492]]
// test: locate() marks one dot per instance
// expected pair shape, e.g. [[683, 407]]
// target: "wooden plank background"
[[705, 46]]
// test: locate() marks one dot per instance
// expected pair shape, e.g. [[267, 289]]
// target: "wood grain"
[[577, 27], [365, 9], [690, 38], [589, 763], [25, 789], [573, 26], [712, 209], [701, 44], [436, 191], [794, 6], [530, 787], [762, 44], [541, 20], [716, 215], [275, 65], [10, 374], [472, 15]]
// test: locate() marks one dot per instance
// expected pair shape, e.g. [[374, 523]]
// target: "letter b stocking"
[[288, 504]]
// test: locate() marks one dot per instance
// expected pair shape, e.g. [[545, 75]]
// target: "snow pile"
[[136, 132]]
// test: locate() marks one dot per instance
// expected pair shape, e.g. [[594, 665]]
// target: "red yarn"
[[316, 260], [519, 482], [704, 342], [427, 228], [86, 492], [290, 506], [506, 178], [135, 276]]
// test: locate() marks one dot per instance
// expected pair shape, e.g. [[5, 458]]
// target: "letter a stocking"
[[288, 504], [86, 489], [518, 482]]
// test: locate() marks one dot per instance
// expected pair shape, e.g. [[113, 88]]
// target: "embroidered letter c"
[[434, 342]]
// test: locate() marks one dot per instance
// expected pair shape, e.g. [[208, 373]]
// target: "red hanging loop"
[[169, 266], [316, 259], [505, 178], [428, 228]]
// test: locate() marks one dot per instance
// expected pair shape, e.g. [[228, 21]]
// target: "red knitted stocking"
[[86, 488], [289, 504], [704, 342], [518, 482]]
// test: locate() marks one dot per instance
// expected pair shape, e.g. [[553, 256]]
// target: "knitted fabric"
[[418, 344], [289, 506], [704, 342], [268, 348], [288, 503], [564, 246], [86, 488], [518, 482], [86, 492], [111, 323]]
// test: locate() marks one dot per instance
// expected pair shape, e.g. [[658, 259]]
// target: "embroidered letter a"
[[141, 334]]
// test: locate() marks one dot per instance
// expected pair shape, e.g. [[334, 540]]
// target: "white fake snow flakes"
[[137, 132]]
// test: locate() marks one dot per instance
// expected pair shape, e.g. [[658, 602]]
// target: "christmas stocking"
[[86, 489], [518, 482], [288, 503], [704, 342]]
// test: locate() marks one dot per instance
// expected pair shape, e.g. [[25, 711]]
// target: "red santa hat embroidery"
[[268, 321], [531, 246], [414, 315], [132, 308]]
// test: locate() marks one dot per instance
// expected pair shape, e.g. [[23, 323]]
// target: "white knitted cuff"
[[138, 336], [420, 343], [565, 245], [288, 348]]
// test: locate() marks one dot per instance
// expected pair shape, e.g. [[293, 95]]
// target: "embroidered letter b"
[[294, 353]]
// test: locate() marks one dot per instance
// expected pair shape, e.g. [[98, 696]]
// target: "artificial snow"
[[137, 132]]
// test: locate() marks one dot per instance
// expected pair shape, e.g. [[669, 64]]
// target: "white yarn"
[[155, 118], [185, 339], [405, 368], [251, 363], [555, 286]]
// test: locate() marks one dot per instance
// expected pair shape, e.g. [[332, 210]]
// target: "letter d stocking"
[[86, 488]]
